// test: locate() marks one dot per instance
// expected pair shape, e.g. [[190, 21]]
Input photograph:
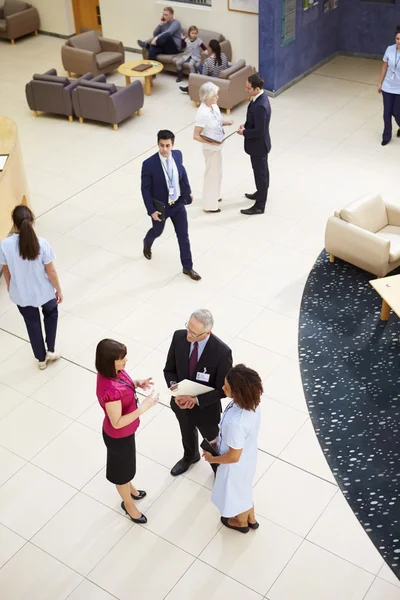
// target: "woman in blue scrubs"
[[389, 86]]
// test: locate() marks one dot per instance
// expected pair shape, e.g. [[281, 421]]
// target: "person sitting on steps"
[[166, 36]]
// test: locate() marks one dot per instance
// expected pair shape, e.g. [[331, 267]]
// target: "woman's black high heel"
[[141, 520], [141, 494]]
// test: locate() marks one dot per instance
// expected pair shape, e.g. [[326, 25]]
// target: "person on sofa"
[[192, 46], [216, 62], [167, 36]]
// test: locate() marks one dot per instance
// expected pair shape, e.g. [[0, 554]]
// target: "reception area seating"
[[52, 94], [98, 100], [231, 85], [88, 53], [366, 233], [17, 19], [169, 60]]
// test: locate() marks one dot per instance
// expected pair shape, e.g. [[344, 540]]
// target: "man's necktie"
[[170, 172], [193, 359]]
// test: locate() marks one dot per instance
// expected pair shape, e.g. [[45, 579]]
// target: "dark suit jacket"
[[216, 358], [257, 141], [154, 184]]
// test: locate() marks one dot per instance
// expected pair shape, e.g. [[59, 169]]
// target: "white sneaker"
[[51, 356], [42, 364]]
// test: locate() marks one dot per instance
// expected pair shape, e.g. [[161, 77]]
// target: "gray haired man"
[[197, 354]]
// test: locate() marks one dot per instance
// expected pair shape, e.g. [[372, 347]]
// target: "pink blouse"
[[112, 390]]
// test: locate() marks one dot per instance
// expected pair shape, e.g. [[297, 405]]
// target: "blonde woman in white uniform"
[[209, 122], [237, 448]]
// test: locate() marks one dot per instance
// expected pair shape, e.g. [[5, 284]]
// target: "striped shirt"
[[212, 69]]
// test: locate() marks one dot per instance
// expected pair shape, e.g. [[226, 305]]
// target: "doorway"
[[86, 15]]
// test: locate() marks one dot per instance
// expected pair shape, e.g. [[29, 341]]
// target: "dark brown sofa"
[[88, 53], [98, 100], [18, 19], [51, 94]]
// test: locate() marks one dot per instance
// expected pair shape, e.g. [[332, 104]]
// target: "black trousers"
[[165, 45], [178, 215], [189, 432], [261, 178], [33, 325], [391, 108]]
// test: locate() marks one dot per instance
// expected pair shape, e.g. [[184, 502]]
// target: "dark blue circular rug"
[[350, 367]]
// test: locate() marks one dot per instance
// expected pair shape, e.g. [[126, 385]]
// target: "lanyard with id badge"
[[396, 62], [171, 189]]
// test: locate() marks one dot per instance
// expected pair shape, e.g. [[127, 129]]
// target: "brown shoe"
[[192, 274]]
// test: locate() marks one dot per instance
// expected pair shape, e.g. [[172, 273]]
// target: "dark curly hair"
[[246, 386]]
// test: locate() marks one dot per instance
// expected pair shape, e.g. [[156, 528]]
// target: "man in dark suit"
[[164, 179], [197, 354], [257, 141]]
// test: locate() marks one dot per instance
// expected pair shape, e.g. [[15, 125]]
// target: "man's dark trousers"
[[261, 178], [165, 45], [178, 215]]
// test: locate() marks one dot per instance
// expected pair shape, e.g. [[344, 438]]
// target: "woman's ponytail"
[[23, 218], [215, 47]]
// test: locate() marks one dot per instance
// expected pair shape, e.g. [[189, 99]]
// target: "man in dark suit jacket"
[[197, 354], [165, 180], [257, 141]]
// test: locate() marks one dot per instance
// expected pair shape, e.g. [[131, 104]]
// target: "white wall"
[[130, 20], [56, 16]]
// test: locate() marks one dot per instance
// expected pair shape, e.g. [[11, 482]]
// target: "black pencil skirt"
[[121, 458]]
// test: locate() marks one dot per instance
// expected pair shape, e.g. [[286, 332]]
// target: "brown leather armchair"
[[87, 53], [18, 19], [231, 85]]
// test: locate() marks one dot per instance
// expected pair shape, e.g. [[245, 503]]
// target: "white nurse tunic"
[[233, 488]]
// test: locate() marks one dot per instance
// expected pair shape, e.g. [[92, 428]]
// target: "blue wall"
[[368, 28], [354, 26]]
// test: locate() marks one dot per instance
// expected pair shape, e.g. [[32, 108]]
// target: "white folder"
[[186, 387]]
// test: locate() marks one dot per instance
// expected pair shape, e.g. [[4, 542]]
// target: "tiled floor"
[[62, 533]]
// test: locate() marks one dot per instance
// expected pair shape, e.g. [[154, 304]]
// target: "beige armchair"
[[88, 53], [231, 85], [366, 234]]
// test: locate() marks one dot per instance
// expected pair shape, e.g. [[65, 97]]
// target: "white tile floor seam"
[[253, 275]]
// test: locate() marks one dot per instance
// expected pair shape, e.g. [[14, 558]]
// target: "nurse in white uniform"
[[389, 86], [237, 447]]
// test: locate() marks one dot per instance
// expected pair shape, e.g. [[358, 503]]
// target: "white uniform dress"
[[233, 488]]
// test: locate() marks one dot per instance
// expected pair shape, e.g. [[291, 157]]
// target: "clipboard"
[[209, 139], [187, 387]]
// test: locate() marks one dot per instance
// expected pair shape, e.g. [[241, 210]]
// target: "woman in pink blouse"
[[116, 393]]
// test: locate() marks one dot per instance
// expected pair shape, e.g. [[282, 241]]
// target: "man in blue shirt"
[[166, 36]]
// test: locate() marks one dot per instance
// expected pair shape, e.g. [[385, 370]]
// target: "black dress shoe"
[[178, 79], [143, 44], [147, 252], [141, 494], [398, 133], [225, 522], [141, 520], [220, 199], [192, 274], [183, 465], [252, 211], [384, 142], [251, 196], [184, 89]]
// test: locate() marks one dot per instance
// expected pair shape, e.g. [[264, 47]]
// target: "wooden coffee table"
[[389, 290], [126, 69]]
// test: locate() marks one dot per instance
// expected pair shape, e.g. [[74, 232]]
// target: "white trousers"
[[212, 178]]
